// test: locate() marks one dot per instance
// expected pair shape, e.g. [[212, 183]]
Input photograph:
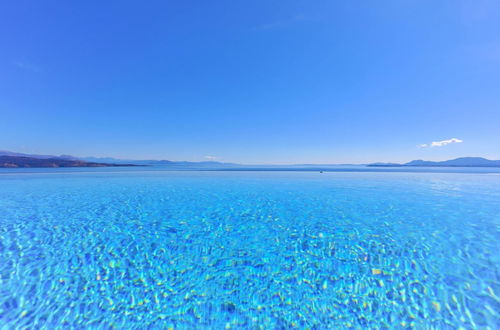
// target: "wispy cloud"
[[211, 157], [27, 66], [280, 23], [440, 143], [472, 12], [487, 51]]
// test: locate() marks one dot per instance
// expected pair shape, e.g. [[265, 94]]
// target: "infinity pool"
[[136, 249]]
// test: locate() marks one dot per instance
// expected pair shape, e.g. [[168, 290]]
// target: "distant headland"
[[13, 160], [16, 162], [458, 162]]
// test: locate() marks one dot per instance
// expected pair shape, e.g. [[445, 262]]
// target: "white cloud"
[[210, 157], [440, 143]]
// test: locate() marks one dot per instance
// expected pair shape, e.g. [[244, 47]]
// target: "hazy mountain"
[[463, 162], [385, 164], [18, 154], [116, 161], [179, 165], [19, 161], [169, 163]]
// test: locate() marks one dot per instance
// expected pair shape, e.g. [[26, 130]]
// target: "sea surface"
[[149, 248]]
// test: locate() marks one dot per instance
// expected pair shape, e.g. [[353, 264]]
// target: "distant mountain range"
[[18, 154], [458, 162], [14, 159], [21, 161], [153, 162]]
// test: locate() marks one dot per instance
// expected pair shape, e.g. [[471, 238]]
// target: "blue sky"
[[251, 81]]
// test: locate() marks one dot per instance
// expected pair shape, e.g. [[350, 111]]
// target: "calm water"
[[136, 249]]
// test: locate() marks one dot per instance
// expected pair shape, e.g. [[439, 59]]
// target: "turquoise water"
[[136, 249]]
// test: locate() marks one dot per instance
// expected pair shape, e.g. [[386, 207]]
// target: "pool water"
[[270, 250]]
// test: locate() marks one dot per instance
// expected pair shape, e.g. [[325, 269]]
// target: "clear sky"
[[251, 81]]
